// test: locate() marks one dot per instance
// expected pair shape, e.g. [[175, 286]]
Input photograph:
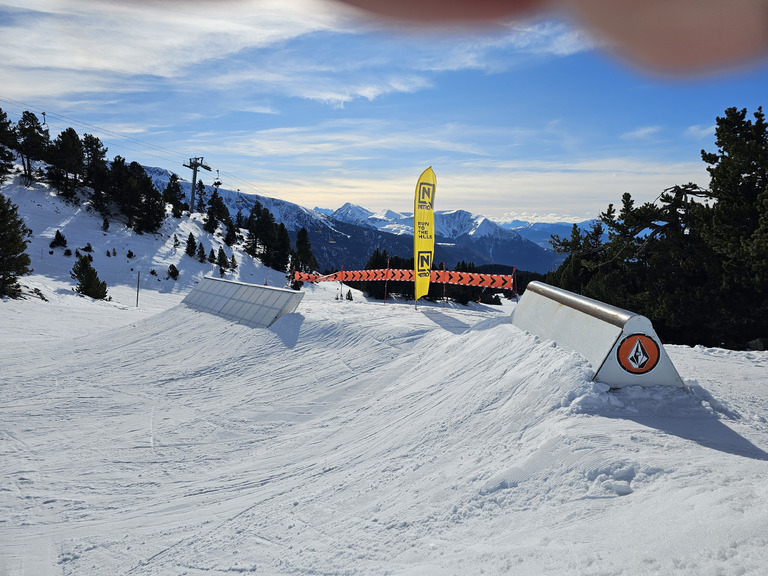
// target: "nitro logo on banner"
[[425, 196], [423, 231], [423, 264]]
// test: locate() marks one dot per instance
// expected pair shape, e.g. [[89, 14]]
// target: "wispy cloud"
[[86, 45], [312, 103], [699, 131], [642, 133], [343, 143], [156, 38], [580, 189]]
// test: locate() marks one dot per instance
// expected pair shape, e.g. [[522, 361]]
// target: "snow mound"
[[351, 437]]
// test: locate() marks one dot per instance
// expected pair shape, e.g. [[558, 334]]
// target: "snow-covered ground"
[[351, 437]]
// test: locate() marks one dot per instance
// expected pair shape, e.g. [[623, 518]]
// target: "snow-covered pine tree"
[[88, 280], [14, 260], [58, 240], [7, 143], [33, 141], [191, 245], [174, 196]]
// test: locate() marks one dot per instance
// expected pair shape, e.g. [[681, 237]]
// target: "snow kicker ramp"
[[250, 304], [622, 347]]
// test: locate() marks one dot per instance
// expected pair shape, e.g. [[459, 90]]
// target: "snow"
[[351, 437]]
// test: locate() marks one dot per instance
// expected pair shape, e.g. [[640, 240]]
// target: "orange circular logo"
[[638, 354]]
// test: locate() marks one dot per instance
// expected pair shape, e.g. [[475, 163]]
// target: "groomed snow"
[[351, 437]]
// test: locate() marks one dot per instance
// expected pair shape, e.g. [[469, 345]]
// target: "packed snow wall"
[[249, 304], [622, 347]]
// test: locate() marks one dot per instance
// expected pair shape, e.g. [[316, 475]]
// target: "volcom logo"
[[638, 354], [638, 358]]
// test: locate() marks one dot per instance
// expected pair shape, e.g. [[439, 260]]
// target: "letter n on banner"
[[423, 231]]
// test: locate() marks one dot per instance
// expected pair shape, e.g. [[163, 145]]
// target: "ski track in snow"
[[356, 438]]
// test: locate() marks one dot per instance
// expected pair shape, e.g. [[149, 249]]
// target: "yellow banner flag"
[[423, 231]]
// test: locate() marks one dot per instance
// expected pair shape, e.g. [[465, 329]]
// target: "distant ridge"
[[349, 235]]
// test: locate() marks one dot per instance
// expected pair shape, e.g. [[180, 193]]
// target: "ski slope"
[[351, 437]]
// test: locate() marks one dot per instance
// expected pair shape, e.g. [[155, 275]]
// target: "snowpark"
[[350, 437]]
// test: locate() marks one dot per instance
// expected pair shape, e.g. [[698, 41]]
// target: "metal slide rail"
[[621, 347]]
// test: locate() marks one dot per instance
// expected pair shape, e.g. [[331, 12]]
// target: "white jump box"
[[622, 347], [250, 304]]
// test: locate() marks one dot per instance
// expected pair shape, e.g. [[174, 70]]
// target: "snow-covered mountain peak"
[[454, 223], [390, 215], [485, 227], [352, 213]]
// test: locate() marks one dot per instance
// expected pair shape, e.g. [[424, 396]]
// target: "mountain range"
[[347, 237]]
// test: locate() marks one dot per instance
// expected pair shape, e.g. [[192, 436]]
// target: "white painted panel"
[[250, 304], [568, 327], [621, 347]]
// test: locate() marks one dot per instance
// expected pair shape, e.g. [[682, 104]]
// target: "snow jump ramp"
[[622, 347], [250, 304]]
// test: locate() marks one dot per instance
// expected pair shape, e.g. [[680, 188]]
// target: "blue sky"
[[310, 102]]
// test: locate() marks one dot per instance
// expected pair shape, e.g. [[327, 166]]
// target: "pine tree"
[[58, 240], [233, 262], [7, 144], [116, 188], [96, 171], [251, 245], [212, 256], [67, 163], [583, 253], [377, 261], [264, 230], [252, 239], [88, 280], [200, 252], [281, 254], [131, 188], [14, 260], [191, 245], [221, 259], [200, 201], [217, 207], [739, 179], [173, 272], [95, 168], [33, 142], [305, 259], [174, 196], [211, 223], [231, 236], [149, 209], [735, 223]]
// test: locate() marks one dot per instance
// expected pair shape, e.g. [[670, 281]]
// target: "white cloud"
[[157, 38], [345, 142], [642, 133], [578, 190], [699, 131]]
